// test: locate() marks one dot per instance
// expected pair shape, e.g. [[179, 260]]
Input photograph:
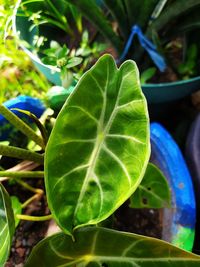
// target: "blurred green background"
[[17, 73]]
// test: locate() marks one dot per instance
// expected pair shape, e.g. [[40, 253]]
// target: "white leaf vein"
[[78, 168], [121, 164], [129, 103], [128, 137], [86, 112]]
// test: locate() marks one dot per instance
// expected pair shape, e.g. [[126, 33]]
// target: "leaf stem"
[[21, 125], [29, 187], [62, 19], [36, 121], [20, 153], [28, 201], [33, 218], [22, 174]]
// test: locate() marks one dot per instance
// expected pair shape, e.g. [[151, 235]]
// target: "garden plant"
[[161, 36], [58, 37], [164, 29], [170, 27], [94, 160], [18, 75]]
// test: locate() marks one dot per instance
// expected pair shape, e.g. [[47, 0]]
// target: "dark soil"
[[28, 233], [140, 221]]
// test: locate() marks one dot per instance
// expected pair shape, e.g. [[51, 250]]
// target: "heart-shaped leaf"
[[153, 192], [7, 225], [99, 148], [101, 247]]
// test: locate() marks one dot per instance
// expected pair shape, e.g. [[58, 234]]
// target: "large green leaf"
[[99, 148], [153, 192], [7, 225], [101, 247]]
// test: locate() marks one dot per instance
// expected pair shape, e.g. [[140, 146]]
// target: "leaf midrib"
[[101, 136], [98, 259]]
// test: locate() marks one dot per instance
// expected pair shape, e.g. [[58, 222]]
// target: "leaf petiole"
[[33, 218], [20, 153], [21, 125], [22, 174], [29, 187], [28, 201]]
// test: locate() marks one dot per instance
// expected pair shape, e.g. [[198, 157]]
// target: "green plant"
[[68, 51], [72, 63], [52, 12], [160, 20], [189, 67], [147, 75], [95, 160], [18, 75]]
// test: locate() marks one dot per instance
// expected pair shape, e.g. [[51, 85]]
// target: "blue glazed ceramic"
[[193, 159], [31, 104], [179, 220]]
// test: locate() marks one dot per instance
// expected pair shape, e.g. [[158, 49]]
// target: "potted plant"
[[94, 160], [164, 22], [54, 38], [170, 25]]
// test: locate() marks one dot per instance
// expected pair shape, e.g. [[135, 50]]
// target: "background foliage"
[[18, 75]]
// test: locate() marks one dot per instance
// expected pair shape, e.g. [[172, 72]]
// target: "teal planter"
[[22, 25], [155, 93], [166, 92]]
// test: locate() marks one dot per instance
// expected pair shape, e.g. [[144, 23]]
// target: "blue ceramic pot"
[[179, 220], [31, 104], [193, 159]]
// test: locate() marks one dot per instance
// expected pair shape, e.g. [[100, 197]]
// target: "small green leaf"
[[72, 62], [62, 52], [7, 225], [153, 192], [99, 145], [101, 247], [17, 208], [147, 75], [49, 60]]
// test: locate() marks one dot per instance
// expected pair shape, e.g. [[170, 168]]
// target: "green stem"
[[61, 18], [22, 174], [29, 187], [28, 201], [56, 23], [36, 121], [33, 218], [20, 153], [54, 9], [21, 125]]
